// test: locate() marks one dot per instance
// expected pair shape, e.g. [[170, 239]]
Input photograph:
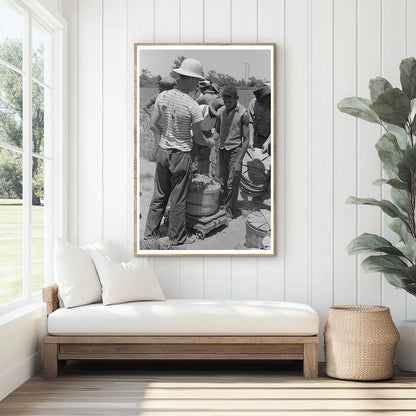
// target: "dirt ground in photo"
[[231, 237]]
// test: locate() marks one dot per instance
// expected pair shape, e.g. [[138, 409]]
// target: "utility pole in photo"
[[246, 71]]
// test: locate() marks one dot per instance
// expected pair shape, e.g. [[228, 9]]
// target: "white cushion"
[[103, 247], [126, 282], [75, 273], [180, 317]]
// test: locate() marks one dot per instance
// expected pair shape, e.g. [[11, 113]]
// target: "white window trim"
[[59, 144]]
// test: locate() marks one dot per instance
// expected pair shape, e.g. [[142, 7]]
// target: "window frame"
[[57, 225]]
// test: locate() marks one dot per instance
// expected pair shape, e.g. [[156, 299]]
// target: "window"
[[31, 140]]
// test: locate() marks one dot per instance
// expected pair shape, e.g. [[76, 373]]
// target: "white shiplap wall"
[[326, 50]]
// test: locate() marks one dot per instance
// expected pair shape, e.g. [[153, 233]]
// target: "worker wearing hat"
[[174, 114], [260, 118], [209, 91], [166, 83], [233, 129]]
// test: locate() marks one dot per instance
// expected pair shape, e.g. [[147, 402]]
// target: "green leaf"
[[400, 198], [389, 208], [380, 182], [404, 173], [392, 107], [398, 184], [389, 151], [366, 243], [359, 107], [395, 183], [378, 86], [410, 272], [410, 158], [412, 114], [411, 289], [390, 173], [400, 228], [408, 77], [408, 249], [401, 137], [396, 271], [385, 262], [397, 280]]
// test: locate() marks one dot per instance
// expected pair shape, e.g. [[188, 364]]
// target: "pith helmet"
[[191, 68]]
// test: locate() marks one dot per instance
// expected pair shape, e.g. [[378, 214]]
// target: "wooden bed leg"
[[310, 360], [50, 360]]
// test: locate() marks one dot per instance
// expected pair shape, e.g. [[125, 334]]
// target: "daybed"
[[181, 329]]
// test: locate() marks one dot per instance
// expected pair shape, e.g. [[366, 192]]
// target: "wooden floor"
[[192, 389]]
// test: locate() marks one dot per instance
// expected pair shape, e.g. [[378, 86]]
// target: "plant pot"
[[360, 341], [406, 349]]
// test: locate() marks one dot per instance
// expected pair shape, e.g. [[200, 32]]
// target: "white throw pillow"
[[75, 273], [126, 282], [103, 247]]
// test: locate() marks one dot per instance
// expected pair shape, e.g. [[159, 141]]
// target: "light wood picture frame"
[[205, 150]]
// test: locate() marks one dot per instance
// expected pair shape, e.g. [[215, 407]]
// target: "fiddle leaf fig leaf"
[[388, 207], [412, 109], [380, 182], [359, 107], [392, 107], [396, 271], [412, 116], [385, 262], [404, 173], [408, 77], [402, 139], [408, 249], [366, 243], [400, 198], [411, 289], [378, 86], [411, 273], [397, 280], [400, 228], [410, 158], [395, 183], [389, 151], [398, 184]]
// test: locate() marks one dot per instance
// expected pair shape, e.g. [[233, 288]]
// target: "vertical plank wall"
[[326, 50]]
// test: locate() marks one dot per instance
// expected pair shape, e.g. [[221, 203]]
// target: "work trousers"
[[228, 178], [171, 180]]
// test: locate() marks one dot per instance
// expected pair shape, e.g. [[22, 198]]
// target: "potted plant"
[[394, 109]]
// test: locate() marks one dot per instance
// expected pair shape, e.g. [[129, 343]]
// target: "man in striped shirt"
[[174, 115]]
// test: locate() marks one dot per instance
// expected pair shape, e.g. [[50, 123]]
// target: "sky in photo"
[[231, 62]]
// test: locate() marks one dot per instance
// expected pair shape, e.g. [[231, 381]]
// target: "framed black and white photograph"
[[205, 150]]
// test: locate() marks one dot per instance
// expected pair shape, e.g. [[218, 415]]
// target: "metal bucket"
[[257, 228]]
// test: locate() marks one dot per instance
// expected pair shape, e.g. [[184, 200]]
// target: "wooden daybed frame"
[[58, 349]]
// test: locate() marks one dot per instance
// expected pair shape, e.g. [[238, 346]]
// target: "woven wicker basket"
[[360, 341]]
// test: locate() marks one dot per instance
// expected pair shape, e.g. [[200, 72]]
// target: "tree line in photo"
[[147, 79]]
